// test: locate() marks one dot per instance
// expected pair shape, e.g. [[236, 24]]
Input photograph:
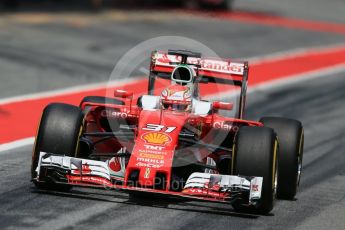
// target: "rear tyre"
[[255, 154], [291, 140], [58, 133]]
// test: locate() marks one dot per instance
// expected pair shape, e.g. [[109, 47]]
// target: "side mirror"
[[217, 105], [123, 94]]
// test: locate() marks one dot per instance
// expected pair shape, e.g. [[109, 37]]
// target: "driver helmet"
[[177, 98]]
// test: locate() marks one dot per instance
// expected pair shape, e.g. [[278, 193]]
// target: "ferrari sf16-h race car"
[[171, 142]]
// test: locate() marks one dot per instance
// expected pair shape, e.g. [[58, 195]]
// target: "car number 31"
[[159, 128]]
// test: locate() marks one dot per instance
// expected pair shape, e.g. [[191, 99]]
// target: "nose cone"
[[153, 152]]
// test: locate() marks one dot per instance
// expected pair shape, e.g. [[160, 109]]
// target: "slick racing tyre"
[[255, 154], [101, 100], [58, 133], [291, 140]]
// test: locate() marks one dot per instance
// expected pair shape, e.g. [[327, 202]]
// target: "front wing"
[[199, 186]]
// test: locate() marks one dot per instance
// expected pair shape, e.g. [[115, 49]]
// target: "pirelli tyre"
[[255, 154], [291, 140], [101, 100], [58, 133]]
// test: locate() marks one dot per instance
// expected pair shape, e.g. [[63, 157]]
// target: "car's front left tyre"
[[255, 153], [58, 133]]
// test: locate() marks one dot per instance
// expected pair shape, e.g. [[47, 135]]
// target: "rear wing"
[[217, 70], [210, 69]]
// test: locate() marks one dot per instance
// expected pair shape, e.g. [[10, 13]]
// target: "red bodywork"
[[156, 133]]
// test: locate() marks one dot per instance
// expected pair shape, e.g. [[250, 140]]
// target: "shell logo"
[[156, 138]]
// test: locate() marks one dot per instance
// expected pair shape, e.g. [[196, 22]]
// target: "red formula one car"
[[172, 142]]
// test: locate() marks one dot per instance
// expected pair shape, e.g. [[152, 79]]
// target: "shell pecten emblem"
[[156, 138]]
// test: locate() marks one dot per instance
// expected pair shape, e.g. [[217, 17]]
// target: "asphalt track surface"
[[38, 56], [318, 205]]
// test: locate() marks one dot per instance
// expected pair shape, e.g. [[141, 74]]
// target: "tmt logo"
[[157, 148]]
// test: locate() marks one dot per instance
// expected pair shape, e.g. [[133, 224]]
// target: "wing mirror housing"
[[126, 96], [123, 94], [218, 105]]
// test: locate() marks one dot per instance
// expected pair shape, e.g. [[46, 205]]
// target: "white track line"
[[294, 53], [297, 78], [17, 144], [293, 79], [66, 91]]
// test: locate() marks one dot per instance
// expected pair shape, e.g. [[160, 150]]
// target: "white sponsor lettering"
[[149, 160], [157, 128], [116, 114], [236, 68], [148, 165], [152, 147], [222, 125], [206, 64]]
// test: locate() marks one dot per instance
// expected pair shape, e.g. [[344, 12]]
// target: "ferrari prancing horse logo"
[[147, 173]]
